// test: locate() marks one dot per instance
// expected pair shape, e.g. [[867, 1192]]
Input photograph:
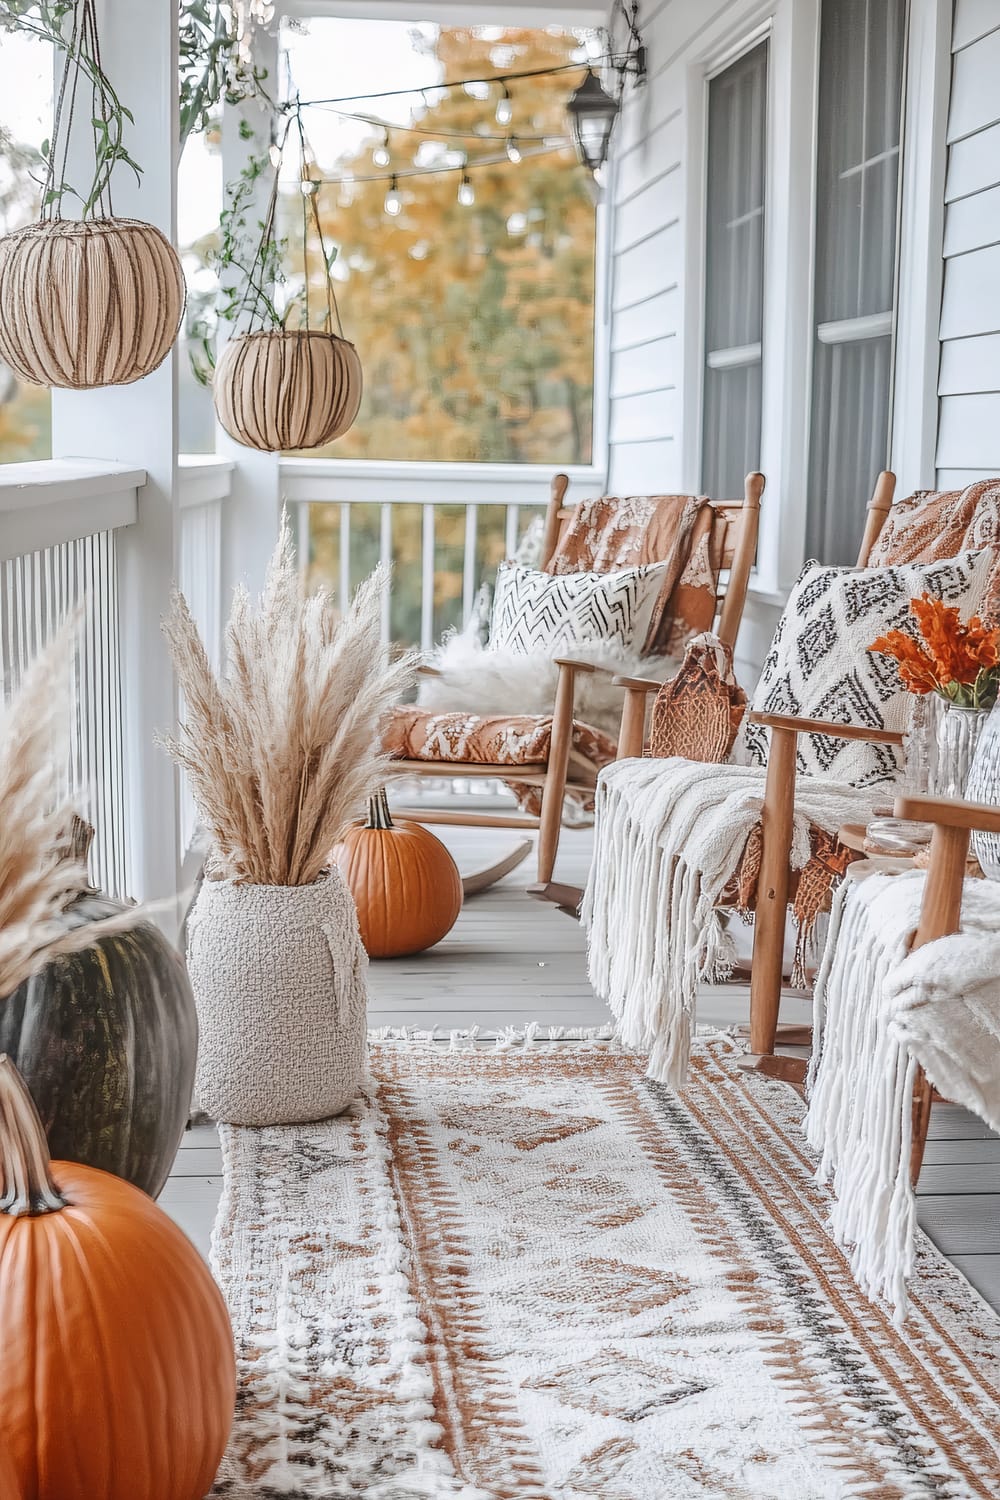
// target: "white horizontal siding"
[[971, 301], [957, 479], [646, 367], [969, 381], [646, 320], [973, 19], [974, 93], [652, 207], [658, 151], [647, 268], [970, 364], [650, 468], [643, 418], [968, 430], [973, 164], [971, 223]]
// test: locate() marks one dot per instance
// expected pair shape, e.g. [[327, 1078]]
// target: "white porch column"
[[137, 424], [250, 520]]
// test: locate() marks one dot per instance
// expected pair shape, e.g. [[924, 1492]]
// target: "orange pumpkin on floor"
[[405, 884], [118, 1377]]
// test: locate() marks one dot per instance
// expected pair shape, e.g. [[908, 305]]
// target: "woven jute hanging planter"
[[278, 388], [97, 300]]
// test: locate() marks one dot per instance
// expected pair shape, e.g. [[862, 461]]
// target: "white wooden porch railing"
[[58, 526], [203, 486], [58, 523], [61, 527], [369, 516]]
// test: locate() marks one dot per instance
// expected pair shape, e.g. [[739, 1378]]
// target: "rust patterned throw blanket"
[[611, 532], [930, 525]]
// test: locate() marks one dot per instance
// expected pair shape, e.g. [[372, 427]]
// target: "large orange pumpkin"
[[10, 1489], [405, 884], [118, 1376]]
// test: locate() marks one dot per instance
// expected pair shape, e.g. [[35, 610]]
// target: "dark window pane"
[[861, 78], [737, 135]]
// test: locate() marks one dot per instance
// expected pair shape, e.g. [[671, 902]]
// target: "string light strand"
[[466, 166], [610, 59]]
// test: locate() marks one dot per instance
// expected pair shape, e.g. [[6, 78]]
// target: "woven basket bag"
[[282, 389], [88, 302], [278, 974], [697, 713]]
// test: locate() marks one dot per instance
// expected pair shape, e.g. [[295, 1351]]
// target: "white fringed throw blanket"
[[668, 840], [881, 1011]]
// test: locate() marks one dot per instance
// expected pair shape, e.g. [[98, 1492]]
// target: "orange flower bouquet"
[[955, 658]]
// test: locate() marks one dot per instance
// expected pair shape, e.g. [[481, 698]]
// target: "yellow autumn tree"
[[474, 323]]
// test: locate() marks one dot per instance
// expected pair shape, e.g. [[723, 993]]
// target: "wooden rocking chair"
[[941, 911], [735, 525], [777, 881]]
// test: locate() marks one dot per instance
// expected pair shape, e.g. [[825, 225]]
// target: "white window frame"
[[927, 85], [792, 27], [759, 34]]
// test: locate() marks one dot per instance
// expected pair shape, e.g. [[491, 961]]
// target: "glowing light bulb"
[[513, 150], [505, 108], [380, 155], [466, 192], [393, 202]]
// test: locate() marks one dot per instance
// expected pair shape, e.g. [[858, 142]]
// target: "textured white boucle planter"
[[278, 974]]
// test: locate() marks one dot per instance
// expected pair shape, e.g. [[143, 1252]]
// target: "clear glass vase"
[[957, 733], [983, 785]]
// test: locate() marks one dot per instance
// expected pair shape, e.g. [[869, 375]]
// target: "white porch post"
[[137, 424], [250, 520]]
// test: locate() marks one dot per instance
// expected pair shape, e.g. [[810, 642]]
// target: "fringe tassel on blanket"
[[879, 1011], [669, 838]]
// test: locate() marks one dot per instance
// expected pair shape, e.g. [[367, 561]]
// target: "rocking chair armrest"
[[823, 726], [638, 684], [578, 666], [948, 812]]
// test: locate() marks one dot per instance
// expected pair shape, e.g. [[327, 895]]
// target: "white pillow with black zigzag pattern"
[[547, 613], [819, 665]]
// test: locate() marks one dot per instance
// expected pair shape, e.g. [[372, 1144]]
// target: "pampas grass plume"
[[283, 750], [39, 873]]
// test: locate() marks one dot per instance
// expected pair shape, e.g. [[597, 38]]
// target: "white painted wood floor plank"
[[984, 1273], [197, 1161], [961, 1223]]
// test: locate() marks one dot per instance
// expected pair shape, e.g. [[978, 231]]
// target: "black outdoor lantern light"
[[593, 112], [592, 109]]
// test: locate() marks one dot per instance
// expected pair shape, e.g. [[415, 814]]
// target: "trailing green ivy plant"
[[212, 70], [70, 27]]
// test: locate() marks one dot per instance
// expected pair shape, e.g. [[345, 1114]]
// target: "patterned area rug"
[[536, 1275]]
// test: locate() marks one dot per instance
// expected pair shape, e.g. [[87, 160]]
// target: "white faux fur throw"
[[479, 681], [881, 1011], [668, 840]]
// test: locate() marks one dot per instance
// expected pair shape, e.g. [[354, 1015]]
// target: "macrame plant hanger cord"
[[84, 37], [95, 300], [277, 387]]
